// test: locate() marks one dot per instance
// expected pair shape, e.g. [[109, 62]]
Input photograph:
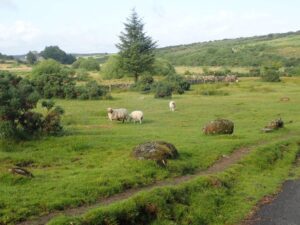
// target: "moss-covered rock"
[[219, 126], [275, 124], [155, 150]]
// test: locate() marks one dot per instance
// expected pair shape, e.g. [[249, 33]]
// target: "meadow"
[[93, 158]]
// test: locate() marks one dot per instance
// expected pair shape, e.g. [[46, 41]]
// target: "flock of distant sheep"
[[135, 116]]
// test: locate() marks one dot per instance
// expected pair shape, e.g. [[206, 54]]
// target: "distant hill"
[[251, 51], [5, 57], [90, 54]]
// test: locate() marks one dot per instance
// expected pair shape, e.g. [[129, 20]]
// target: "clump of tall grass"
[[212, 89]]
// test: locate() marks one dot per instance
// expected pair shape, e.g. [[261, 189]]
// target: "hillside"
[[252, 51]]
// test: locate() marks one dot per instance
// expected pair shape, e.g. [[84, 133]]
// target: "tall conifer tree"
[[136, 49]]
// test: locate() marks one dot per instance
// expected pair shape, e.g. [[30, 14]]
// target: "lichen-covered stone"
[[155, 150], [275, 124], [219, 126]]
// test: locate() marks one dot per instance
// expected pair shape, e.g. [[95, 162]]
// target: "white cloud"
[[17, 35], [18, 31]]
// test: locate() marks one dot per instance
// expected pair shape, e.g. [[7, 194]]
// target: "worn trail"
[[219, 166]]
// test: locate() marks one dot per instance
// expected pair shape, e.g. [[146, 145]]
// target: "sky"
[[92, 26]]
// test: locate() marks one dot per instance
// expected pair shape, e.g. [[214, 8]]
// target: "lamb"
[[117, 114], [136, 116], [172, 106]]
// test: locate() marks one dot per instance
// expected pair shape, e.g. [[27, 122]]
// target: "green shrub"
[[32, 122], [112, 69], [171, 84], [52, 122], [91, 90], [82, 75], [53, 80], [144, 84], [270, 73], [162, 67], [293, 71], [178, 83], [49, 66], [163, 90], [18, 98], [89, 64]]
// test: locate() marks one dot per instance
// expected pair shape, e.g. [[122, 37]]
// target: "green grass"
[[225, 198], [94, 158]]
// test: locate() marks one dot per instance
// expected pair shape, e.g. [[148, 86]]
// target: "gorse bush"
[[171, 84], [89, 64], [52, 121], [178, 83], [49, 66], [53, 80], [270, 73], [92, 91], [18, 98], [163, 89]]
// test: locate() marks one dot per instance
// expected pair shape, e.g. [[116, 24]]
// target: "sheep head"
[[109, 110]]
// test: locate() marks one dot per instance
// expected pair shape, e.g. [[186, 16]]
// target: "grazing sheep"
[[117, 114], [172, 106], [136, 116]]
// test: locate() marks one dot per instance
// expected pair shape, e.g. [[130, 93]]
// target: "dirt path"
[[219, 166]]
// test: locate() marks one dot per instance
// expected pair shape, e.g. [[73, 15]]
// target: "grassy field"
[[93, 159], [16, 68], [225, 198]]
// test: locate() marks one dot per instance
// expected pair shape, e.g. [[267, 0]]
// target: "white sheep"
[[117, 114], [136, 116], [172, 106]]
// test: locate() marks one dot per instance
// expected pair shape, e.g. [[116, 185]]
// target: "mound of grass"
[[212, 89]]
